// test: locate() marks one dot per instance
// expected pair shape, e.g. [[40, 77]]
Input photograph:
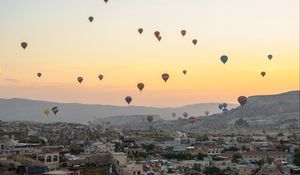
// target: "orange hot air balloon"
[[194, 41], [24, 45], [165, 77], [183, 32], [80, 79], [140, 30], [263, 74], [140, 86]]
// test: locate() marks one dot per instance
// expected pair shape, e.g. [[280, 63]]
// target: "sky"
[[63, 44]]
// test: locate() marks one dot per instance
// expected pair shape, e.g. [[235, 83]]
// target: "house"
[[221, 162], [214, 150]]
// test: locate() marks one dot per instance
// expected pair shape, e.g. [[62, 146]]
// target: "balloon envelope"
[[128, 99], [91, 19], [270, 57], [46, 112], [39, 74], [220, 106], [194, 41], [263, 74], [24, 45], [184, 72], [242, 100], [149, 118], [80, 79], [183, 32], [185, 114], [165, 77], [224, 58], [140, 86], [140, 30], [55, 110], [100, 77], [157, 34], [105, 1]]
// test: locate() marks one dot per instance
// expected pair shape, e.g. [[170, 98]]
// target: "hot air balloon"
[[224, 58], [100, 77], [185, 114], [263, 74], [80, 79], [184, 72], [91, 19], [140, 30], [140, 86], [220, 106], [165, 77], [183, 32], [39, 74], [46, 112], [55, 110], [173, 114], [224, 105], [24, 45], [149, 118], [270, 57], [159, 38], [225, 110], [206, 113], [105, 1], [128, 99], [194, 41], [157, 34], [192, 120], [242, 100]]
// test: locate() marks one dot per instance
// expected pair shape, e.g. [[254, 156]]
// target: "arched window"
[[48, 158], [55, 158]]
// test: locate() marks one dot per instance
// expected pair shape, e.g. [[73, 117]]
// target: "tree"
[[297, 157]]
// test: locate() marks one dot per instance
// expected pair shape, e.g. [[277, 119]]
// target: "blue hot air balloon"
[[224, 58]]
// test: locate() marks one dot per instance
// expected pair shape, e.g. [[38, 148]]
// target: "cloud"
[[12, 80]]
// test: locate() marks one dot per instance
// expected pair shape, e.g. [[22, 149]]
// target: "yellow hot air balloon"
[[46, 112]]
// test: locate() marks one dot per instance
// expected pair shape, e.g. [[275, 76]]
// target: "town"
[[76, 149]]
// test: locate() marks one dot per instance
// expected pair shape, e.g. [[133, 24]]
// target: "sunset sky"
[[63, 44]]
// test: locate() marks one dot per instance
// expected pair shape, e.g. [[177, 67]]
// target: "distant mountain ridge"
[[32, 110]]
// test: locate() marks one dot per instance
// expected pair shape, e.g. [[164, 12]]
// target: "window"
[[55, 158], [48, 158]]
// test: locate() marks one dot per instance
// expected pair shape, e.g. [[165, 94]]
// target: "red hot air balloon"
[[263, 74], [140, 30], [80, 79], [140, 86], [165, 77], [157, 34], [183, 32], [128, 99], [194, 41], [24, 45], [242, 100], [192, 120]]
